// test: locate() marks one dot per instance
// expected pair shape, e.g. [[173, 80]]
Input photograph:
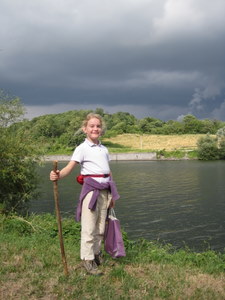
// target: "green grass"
[[31, 266]]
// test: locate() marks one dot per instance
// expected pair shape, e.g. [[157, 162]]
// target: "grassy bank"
[[31, 267]]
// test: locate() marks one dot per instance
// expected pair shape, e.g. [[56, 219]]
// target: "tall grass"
[[31, 266]]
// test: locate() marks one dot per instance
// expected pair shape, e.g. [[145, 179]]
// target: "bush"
[[221, 141], [207, 148], [222, 149], [19, 157]]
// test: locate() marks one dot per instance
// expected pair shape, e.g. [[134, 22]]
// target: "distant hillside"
[[60, 133]]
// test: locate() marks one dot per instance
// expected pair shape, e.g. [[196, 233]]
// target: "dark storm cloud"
[[165, 57]]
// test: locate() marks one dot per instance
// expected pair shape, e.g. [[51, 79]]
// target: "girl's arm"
[[64, 172]]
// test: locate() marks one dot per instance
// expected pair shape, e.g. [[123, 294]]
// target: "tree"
[[191, 124], [221, 134], [207, 148], [149, 124], [10, 111], [221, 142], [120, 122], [99, 111], [173, 127], [222, 149], [18, 159], [208, 126]]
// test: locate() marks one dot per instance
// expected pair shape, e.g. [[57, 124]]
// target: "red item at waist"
[[80, 178]]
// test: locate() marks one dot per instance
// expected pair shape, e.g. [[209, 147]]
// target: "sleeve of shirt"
[[78, 154]]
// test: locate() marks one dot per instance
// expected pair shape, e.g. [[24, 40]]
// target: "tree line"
[[58, 131]]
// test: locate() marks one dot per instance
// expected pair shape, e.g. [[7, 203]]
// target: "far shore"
[[119, 157]]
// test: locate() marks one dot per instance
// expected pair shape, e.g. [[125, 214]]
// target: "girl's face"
[[93, 130]]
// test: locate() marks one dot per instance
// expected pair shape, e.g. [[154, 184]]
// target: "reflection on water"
[[177, 202]]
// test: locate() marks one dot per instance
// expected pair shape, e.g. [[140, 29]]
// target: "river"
[[176, 202]]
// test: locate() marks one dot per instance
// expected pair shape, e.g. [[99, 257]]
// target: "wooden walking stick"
[[56, 197]]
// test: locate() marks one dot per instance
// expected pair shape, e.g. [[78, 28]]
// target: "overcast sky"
[[158, 58]]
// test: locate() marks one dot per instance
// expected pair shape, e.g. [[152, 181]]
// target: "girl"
[[98, 191]]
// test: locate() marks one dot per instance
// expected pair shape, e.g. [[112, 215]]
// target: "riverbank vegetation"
[[19, 156], [31, 266]]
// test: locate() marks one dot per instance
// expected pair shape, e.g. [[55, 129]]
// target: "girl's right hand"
[[54, 176]]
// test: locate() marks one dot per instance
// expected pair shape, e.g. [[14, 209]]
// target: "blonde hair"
[[92, 116]]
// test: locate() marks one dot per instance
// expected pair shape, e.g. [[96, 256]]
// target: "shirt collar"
[[92, 144]]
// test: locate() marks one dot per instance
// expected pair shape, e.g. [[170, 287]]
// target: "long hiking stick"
[[56, 197]]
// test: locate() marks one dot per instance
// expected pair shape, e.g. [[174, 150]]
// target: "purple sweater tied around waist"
[[92, 185]]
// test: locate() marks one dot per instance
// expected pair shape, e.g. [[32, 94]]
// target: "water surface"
[[177, 202]]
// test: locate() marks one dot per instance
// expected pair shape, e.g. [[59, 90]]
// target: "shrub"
[[222, 149], [207, 148], [221, 142], [19, 157]]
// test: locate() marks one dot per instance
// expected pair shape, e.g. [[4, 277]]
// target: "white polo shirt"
[[93, 159]]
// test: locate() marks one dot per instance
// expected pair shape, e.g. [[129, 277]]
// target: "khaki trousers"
[[93, 225]]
